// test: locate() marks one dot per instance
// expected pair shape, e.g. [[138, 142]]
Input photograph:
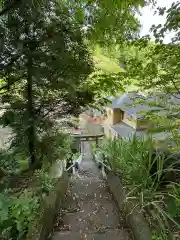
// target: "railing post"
[[82, 145]]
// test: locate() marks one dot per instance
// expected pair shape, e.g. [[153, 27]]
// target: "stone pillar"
[[82, 147]]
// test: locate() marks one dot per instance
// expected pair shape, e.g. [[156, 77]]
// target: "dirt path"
[[90, 212]]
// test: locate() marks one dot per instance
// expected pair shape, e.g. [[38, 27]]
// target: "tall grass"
[[149, 176]]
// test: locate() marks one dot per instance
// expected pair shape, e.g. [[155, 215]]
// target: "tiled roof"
[[122, 101], [126, 102]]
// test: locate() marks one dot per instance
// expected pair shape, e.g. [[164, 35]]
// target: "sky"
[[148, 19]]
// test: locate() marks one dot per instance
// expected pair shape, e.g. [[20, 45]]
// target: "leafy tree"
[[44, 62], [105, 21], [159, 65], [156, 69]]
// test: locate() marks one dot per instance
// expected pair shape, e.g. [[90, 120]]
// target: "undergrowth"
[[16, 213], [22, 190]]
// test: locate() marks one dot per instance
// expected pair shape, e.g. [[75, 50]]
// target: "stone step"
[[119, 234], [87, 179], [92, 216], [89, 169], [78, 176], [89, 188]]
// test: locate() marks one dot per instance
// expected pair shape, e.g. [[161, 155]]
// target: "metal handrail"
[[74, 164], [104, 165], [70, 167]]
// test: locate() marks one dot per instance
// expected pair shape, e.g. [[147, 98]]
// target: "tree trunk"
[[31, 114]]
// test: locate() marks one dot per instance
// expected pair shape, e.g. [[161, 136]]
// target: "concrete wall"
[[113, 116], [109, 132], [106, 130], [108, 122], [134, 217], [109, 118]]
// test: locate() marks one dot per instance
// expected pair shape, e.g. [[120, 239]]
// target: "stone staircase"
[[90, 211]]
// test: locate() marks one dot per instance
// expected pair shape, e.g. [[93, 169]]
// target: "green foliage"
[[2, 82], [108, 79], [49, 65], [153, 67], [45, 67], [4, 207], [13, 161], [156, 235], [174, 203], [130, 158], [46, 182], [17, 212], [47, 73], [107, 65], [105, 21], [149, 177], [23, 210], [53, 145], [76, 155]]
